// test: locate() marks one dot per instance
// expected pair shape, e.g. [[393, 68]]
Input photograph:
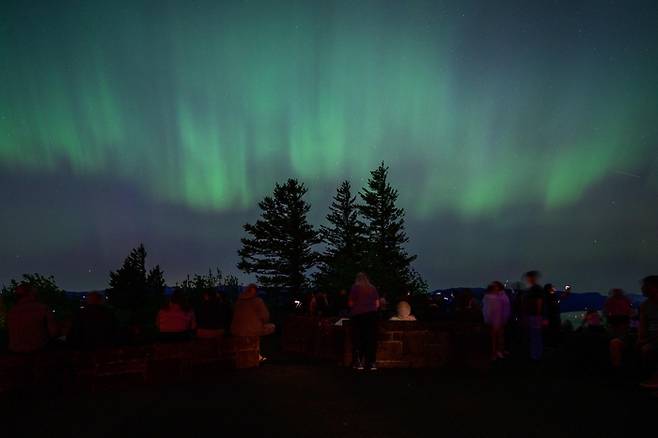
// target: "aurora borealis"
[[520, 134]]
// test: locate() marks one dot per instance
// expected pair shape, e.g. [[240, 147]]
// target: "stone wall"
[[159, 362], [400, 344]]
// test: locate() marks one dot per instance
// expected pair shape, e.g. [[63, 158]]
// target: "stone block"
[[389, 350]]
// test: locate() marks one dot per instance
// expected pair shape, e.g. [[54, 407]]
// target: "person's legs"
[[536, 341], [493, 331], [357, 341], [501, 340], [370, 347], [617, 347]]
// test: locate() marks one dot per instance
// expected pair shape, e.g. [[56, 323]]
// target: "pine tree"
[[279, 248], [128, 286], [155, 281], [345, 244], [388, 263]]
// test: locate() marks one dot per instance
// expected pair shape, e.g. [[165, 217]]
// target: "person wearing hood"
[[250, 315], [30, 324]]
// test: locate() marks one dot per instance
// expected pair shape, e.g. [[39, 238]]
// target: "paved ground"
[[283, 398]]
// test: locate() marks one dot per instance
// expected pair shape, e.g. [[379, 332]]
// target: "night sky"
[[521, 135]]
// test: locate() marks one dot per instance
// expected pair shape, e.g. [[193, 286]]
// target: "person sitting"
[[176, 321], [212, 316], [404, 312], [250, 315], [341, 307], [496, 310], [618, 311], [592, 321], [94, 325], [467, 308], [311, 304], [322, 304], [30, 324]]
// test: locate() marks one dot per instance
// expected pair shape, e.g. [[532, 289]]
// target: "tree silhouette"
[[132, 290], [387, 262], [345, 243], [279, 248], [155, 281]]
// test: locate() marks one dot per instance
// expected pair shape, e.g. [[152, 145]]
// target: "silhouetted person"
[[176, 320], [648, 331], [532, 310], [322, 303], [95, 325], [30, 324], [552, 299], [364, 304], [311, 304], [496, 310], [592, 322], [467, 308], [213, 315], [341, 303], [618, 311]]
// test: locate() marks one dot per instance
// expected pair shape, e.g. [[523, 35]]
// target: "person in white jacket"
[[496, 310]]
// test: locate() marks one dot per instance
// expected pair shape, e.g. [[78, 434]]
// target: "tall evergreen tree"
[[128, 284], [135, 290], [344, 240], [155, 281], [279, 248], [388, 263]]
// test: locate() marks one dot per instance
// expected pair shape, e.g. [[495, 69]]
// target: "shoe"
[[372, 367], [358, 366]]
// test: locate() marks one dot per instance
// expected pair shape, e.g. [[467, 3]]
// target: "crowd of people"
[[528, 316], [32, 327]]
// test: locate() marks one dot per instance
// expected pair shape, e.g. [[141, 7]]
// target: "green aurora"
[[205, 105]]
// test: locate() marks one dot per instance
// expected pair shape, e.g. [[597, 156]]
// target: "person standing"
[[496, 310], [552, 300], [532, 308], [648, 332], [364, 304], [250, 316]]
